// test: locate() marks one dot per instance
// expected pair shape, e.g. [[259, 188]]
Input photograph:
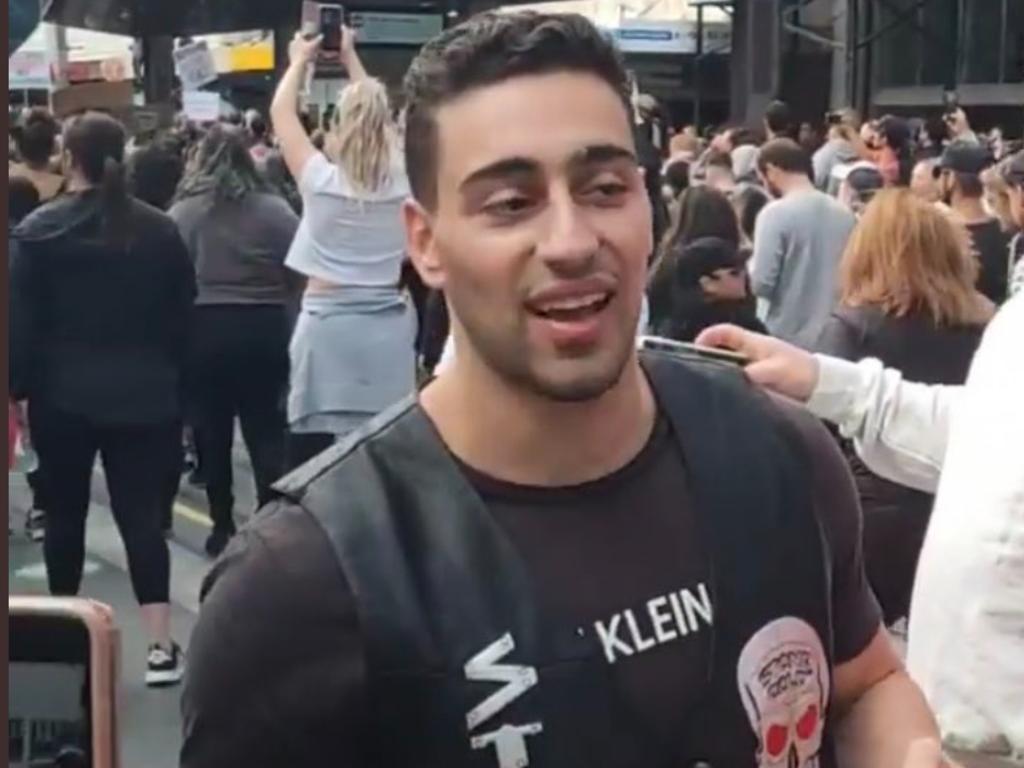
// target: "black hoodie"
[[99, 330]]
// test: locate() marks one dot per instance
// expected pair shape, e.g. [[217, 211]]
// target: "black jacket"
[[421, 552], [100, 330], [896, 517]]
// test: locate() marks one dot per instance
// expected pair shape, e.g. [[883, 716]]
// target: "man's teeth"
[[568, 304]]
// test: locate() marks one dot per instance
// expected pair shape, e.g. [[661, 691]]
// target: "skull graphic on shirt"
[[783, 680]]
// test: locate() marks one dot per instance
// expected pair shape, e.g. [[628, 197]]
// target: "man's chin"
[[578, 381]]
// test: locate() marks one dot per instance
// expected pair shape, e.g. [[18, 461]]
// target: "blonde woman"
[[908, 299], [352, 352]]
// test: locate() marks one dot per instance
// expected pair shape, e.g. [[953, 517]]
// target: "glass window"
[[899, 48], [940, 42], [1013, 51], [981, 49]]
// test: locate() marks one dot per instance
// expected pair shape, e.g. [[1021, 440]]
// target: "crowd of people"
[[505, 235]]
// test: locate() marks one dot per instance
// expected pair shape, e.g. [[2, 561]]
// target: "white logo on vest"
[[509, 741], [784, 683]]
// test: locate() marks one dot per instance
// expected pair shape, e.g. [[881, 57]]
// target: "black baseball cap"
[[962, 157]]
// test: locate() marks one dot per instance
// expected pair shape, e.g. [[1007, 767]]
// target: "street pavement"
[[150, 719]]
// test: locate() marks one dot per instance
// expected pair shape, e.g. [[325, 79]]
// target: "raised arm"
[[349, 58], [296, 146]]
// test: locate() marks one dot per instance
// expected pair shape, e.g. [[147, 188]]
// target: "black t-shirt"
[[993, 247], [276, 673]]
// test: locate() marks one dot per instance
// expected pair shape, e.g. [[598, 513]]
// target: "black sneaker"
[[218, 541], [35, 524], [164, 666]]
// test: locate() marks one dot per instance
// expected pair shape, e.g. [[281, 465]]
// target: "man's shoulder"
[[282, 549], [347, 456]]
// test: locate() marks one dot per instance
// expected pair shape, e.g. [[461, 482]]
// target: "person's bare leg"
[[156, 618]]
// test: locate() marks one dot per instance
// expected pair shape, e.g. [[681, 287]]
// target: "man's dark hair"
[[154, 172], [786, 155], [22, 199], [779, 118], [970, 185], [677, 176], [36, 138], [741, 136], [488, 49]]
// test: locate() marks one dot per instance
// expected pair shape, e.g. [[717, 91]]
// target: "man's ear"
[[420, 243]]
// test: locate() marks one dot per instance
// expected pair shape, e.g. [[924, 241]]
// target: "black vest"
[[443, 597]]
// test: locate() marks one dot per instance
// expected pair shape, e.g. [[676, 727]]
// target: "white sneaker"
[[35, 525], [163, 666]]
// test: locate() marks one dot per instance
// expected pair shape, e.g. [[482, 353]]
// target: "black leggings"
[[239, 368], [135, 461]]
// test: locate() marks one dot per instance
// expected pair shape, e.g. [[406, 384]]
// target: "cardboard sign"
[[201, 106], [195, 65]]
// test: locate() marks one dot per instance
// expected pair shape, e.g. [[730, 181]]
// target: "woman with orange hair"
[[907, 297]]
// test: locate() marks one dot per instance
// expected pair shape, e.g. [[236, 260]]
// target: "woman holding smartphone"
[[352, 352]]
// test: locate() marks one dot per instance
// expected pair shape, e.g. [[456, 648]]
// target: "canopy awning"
[[141, 18]]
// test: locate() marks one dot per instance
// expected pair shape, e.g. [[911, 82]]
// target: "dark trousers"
[[303, 446], [135, 460], [239, 368]]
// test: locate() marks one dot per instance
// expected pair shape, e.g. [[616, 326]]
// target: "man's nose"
[[570, 241]]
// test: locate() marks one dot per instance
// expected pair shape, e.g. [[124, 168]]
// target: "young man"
[[519, 567], [798, 243], [959, 180]]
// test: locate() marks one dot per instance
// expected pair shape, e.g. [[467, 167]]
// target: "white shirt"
[[966, 641], [347, 237]]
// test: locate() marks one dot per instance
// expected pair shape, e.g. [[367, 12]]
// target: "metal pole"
[[696, 68]]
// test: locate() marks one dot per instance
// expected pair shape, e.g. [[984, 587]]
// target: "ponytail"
[[96, 144], [116, 202]]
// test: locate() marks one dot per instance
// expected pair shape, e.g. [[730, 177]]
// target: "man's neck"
[[521, 437], [795, 183], [971, 210]]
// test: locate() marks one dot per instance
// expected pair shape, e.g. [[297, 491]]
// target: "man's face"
[[946, 184], [541, 232], [768, 176]]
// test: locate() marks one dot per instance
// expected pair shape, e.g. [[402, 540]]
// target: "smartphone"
[[62, 683], [660, 344], [332, 17], [833, 118]]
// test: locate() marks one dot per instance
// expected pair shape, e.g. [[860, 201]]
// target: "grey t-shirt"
[[238, 247], [798, 243]]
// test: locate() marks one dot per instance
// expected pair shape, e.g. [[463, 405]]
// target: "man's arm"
[[276, 672], [766, 261], [877, 713], [881, 712]]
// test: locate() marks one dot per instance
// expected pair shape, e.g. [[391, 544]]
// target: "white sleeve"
[[899, 429], [967, 611]]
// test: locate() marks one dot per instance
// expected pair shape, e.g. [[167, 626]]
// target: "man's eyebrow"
[[597, 154], [510, 166]]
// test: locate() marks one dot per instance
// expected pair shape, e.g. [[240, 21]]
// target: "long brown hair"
[[907, 256]]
